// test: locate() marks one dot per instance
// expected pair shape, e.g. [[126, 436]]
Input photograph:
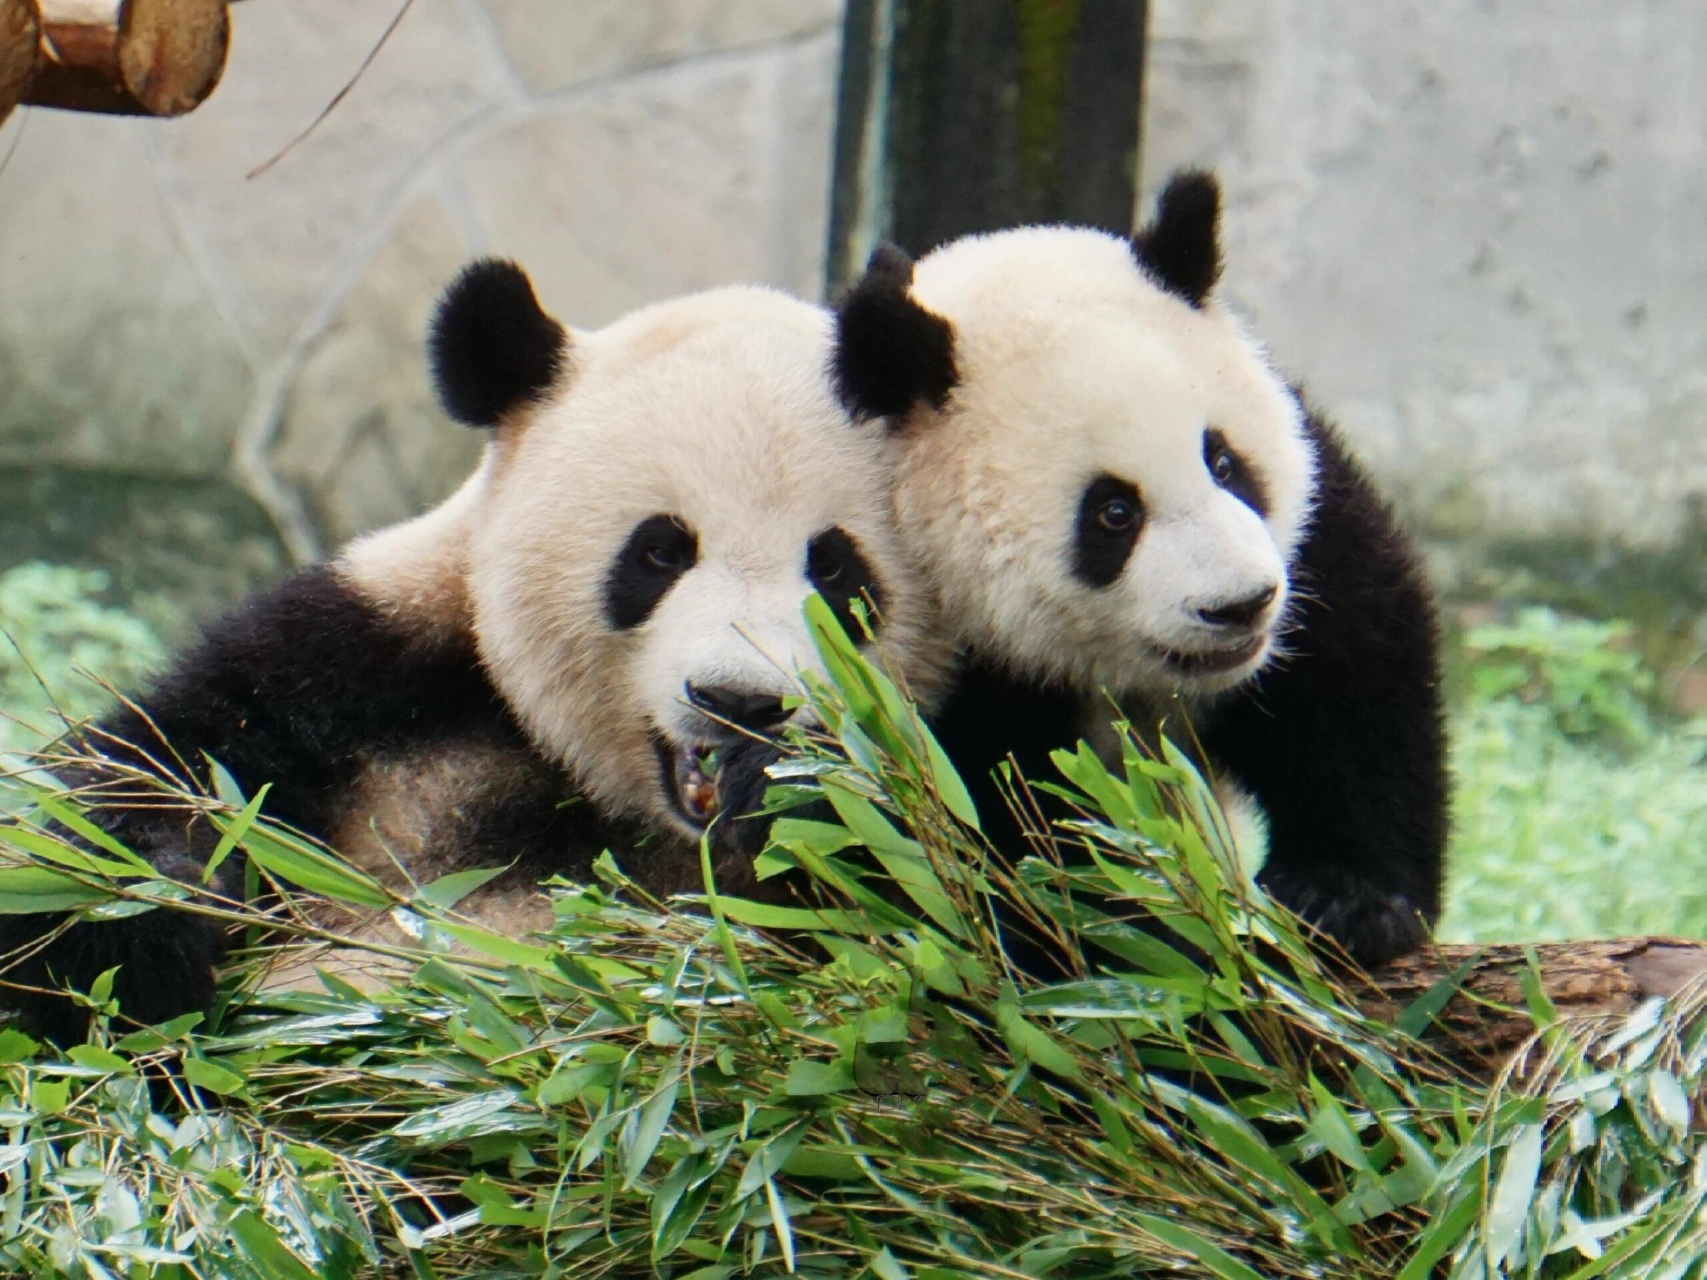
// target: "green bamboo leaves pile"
[[854, 1083]]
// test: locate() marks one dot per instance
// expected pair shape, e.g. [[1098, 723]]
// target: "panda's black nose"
[[1238, 613], [759, 712]]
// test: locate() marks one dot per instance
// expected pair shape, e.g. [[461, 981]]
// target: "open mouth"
[[690, 778], [1205, 662]]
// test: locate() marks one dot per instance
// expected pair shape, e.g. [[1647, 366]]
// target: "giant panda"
[[1110, 489], [543, 666]]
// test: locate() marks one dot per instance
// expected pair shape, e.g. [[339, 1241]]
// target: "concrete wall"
[[1477, 230], [164, 313]]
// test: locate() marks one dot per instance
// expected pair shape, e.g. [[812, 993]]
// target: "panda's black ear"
[[891, 353], [1180, 248], [491, 345]]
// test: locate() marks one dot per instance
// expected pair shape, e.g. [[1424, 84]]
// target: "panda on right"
[[1111, 490]]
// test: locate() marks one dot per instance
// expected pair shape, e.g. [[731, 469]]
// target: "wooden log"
[[1488, 1019], [20, 44], [130, 57]]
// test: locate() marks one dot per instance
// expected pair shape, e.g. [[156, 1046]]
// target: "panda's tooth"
[[697, 790]]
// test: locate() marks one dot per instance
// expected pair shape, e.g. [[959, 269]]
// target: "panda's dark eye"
[[659, 550], [673, 551], [1110, 518], [839, 571], [1230, 471], [1117, 515]]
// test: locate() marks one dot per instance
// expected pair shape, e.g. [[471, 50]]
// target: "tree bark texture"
[[20, 46], [1487, 1019]]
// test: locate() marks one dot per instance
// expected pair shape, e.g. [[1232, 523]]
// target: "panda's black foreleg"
[[1342, 740], [165, 959], [741, 832], [293, 688]]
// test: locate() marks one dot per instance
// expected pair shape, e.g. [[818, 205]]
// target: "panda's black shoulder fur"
[[991, 715], [294, 684], [491, 345], [1342, 740], [294, 687]]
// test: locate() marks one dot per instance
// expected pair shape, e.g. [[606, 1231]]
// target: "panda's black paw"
[[1370, 924], [741, 831]]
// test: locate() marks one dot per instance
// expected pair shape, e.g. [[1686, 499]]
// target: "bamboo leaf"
[[31, 890], [1217, 1259], [1509, 1207], [211, 1076], [233, 835], [654, 1119]]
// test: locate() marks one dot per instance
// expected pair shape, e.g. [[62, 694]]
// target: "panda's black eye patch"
[[839, 571], [1111, 515], [659, 550], [1229, 470]]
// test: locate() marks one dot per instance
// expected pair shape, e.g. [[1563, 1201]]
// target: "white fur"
[[416, 571], [1072, 363], [715, 408]]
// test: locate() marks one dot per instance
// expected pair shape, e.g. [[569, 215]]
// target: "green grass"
[[651, 1092], [58, 629], [1579, 810]]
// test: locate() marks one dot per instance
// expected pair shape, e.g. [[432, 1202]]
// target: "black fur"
[[659, 550], [991, 717], [1244, 483], [1179, 249], [741, 785], [839, 571], [492, 347], [1343, 742], [297, 687], [1100, 552], [891, 353]]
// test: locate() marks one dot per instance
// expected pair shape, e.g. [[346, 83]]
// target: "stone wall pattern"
[[164, 313], [1475, 229]]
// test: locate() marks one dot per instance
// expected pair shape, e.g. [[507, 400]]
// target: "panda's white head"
[[657, 500], [1098, 470]]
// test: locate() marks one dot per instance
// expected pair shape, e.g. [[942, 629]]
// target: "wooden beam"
[[1488, 1020], [130, 57], [954, 118], [20, 44]]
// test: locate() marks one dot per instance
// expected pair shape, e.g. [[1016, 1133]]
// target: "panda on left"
[[609, 603]]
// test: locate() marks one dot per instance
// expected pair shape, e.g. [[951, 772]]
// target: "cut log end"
[[20, 44], [130, 57], [1487, 1021], [174, 52]]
